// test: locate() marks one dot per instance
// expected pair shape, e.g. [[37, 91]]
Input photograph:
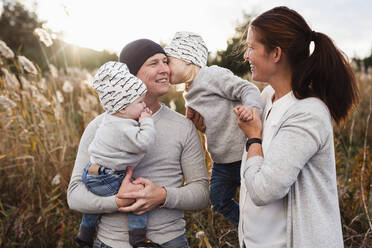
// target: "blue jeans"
[[225, 180], [107, 183], [179, 242]]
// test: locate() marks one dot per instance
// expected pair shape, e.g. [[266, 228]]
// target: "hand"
[[127, 186], [252, 128], [196, 118], [147, 199], [146, 113], [244, 113]]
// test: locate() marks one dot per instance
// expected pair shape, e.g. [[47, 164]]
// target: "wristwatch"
[[251, 141]]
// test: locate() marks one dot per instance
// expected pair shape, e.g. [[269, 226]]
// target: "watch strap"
[[251, 141]]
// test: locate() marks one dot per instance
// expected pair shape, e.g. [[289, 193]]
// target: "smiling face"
[[259, 59], [154, 73]]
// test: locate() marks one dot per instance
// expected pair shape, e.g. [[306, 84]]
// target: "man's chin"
[[163, 91]]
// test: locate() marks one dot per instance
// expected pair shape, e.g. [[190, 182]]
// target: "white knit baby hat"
[[189, 47], [116, 86]]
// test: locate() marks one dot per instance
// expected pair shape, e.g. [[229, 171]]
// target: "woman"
[[289, 191], [174, 171]]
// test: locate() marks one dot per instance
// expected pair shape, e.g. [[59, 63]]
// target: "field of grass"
[[43, 117]]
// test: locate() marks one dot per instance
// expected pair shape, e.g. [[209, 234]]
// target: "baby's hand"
[[244, 113], [146, 113]]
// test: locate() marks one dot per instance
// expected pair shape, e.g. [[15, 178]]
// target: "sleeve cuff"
[[170, 200], [111, 203]]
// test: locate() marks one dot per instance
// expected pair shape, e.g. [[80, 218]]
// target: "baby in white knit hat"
[[122, 139], [214, 92]]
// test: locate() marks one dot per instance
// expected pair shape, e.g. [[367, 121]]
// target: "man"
[[176, 156]]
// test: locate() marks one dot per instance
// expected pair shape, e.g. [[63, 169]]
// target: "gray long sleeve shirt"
[[214, 93], [299, 166], [176, 156], [121, 142]]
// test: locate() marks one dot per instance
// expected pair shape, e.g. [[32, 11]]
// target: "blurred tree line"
[[17, 30], [232, 57], [364, 64]]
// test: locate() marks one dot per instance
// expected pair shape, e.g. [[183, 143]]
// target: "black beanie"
[[137, 52]]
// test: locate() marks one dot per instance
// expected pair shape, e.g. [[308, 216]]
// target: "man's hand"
[[127, 186], [146, 199]]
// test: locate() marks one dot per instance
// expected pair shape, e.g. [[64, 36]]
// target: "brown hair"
[[325, 73]]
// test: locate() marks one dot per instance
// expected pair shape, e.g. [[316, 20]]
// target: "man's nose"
[[164, 68]]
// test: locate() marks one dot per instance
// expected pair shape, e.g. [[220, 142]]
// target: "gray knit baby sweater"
[[121, 142], [214, 93]]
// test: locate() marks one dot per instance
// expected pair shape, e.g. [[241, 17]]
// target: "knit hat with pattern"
[[117, 87], [189, 47]]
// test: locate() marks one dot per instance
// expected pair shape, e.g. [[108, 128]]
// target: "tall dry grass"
[[42, 119]]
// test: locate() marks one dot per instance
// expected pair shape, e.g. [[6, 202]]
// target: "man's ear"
[[277, 54]]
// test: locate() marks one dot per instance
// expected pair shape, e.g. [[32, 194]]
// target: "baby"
[[215, 92], [122, 139]]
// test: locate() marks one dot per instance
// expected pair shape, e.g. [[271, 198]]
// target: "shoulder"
[[214, 70], [220, 70], [267, 93], [90, 132], [311, 112], [268, 90], [175, 124], [215, 76], [311, 105], [94, 124], [173, 116]]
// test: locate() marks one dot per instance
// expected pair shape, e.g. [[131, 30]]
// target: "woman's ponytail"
[[326, 74]]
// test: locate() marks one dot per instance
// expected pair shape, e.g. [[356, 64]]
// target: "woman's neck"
[[282, 85]]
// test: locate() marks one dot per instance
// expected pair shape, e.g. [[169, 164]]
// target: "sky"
[[111, 24]]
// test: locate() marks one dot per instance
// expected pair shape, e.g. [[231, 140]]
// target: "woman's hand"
[[252, 128], [196, 118], [146, 199]]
